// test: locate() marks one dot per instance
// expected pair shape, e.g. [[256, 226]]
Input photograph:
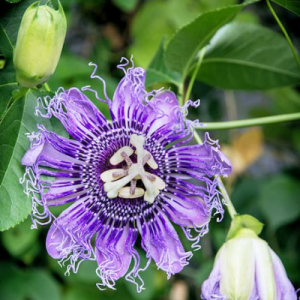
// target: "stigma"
[[122, 182]]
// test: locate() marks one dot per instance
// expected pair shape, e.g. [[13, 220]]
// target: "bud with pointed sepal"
[[39, 43]]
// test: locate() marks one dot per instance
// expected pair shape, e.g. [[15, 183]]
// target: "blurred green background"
[[265, 181]]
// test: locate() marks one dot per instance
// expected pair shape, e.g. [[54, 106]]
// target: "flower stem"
[[251, 122], [231, 210], [191, 83], [22, 91], [180, 94], [284, 32], [47, 87]]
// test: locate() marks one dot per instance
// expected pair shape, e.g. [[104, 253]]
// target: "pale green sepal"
[[237, 263], [245, 262], [264, 272], [244, 221]]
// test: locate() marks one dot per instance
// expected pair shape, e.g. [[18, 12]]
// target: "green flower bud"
[[40, 40]]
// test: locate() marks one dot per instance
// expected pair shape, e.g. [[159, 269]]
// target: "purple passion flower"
[[246, 268], [126, 176]]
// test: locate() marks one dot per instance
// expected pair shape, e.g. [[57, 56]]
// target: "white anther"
[[112, 175], [117, 157], [151, 162], [133, 186], [157, 182], [125, 193]]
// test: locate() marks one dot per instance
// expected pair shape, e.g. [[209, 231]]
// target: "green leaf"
[[81, 292], [7, 74], [19, 239], [185, 44], [157, 71], [13, 1], [248, 56], [292, 5], [280, 201], [126, 6], [20, 119], [40, 285], [5, 96], [147, 32], [33, 284]]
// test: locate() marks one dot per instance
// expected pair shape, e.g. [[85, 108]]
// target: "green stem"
[[231, 210], [191, 83], [284, 32], [180, 93], [251, 122], [22, 91], [47, 87]]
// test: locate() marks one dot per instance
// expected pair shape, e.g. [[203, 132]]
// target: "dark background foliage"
[[265, 181]]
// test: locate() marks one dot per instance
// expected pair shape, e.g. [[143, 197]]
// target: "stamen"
[[133, 186], [148, 159], [118, 158], [112, 175], [117, 179], [126, 193], [119, 174], [126, 158], [157, 182], [150, 176]]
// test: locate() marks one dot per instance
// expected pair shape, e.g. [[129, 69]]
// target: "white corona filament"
[[117, 179]]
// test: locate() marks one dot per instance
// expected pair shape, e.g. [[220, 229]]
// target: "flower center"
[[117, 179]]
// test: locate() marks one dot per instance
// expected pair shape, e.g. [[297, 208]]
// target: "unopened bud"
[[40, 40], [246, 268]]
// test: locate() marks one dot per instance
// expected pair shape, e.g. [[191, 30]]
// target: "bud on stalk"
[[40, 40], [246, 268]]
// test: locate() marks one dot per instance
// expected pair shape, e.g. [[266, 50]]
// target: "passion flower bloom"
[[126, 176], [246, 268]]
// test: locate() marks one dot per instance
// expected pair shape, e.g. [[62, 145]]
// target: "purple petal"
[[114, 252], [162, 111], [57, 241], [284, 288], [70, 234], [207, 159], [32, 154], [81, 118], [211, 286], [161, 242], [187, 211], [129, 95]]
